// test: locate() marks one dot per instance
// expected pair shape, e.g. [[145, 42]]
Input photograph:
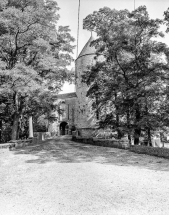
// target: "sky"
[[69, 17]]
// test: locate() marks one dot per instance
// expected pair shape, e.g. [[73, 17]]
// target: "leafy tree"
[[34, 52], [166, 19], [133, 76]]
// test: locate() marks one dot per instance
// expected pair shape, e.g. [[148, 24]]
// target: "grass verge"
[[158, 152], [153, 151]]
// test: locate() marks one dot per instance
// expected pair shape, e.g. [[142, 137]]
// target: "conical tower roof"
[[87, 49]]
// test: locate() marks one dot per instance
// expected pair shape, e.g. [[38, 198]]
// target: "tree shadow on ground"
[[66, 151]]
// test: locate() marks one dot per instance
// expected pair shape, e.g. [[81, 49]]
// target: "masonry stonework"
[[77, 107]]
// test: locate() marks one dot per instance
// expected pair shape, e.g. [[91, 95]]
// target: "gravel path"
[[60, 177]]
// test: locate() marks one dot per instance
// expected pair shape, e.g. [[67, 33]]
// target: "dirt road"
[[60, 177]]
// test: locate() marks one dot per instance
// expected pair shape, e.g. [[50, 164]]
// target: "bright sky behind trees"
[[69, 16]]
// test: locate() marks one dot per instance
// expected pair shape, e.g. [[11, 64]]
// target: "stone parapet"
[[86, 132], [105, 143]]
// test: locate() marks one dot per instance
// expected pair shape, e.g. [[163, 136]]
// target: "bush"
[[6, 132], [159, 152]]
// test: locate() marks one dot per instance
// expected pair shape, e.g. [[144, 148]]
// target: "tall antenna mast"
[[78, 30], [134, 4]]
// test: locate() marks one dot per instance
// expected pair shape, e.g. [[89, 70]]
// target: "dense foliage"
[[129, 82], [34, 55]]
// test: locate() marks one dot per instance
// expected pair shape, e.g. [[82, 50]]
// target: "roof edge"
[[67, 95], [82, 53]]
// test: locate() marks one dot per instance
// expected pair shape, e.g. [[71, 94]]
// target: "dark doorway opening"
[[63, 128]]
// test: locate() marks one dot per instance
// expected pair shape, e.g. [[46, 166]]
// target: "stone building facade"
[[77, 113]]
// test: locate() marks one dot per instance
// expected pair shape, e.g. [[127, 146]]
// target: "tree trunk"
[[0, 131], [137, 133], [148, 129], [97, 105], [15, 127], [16, 116], [137, 130], [119, 133], [149, 137], [129, 138], [128, 126]]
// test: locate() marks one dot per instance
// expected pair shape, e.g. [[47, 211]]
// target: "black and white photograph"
[[84, 107]]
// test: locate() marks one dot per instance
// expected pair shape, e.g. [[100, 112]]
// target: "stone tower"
[[83, 118], [76, 106]]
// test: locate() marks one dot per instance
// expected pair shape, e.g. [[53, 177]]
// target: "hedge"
[[102, 142], [153, 151], [159, 152]]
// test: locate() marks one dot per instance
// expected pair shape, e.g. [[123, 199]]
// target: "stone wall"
[[69, 106], [84, 114], [105, 143], [70, 111], [86, 132]]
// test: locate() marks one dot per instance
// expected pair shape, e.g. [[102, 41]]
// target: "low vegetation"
[[159, 152]]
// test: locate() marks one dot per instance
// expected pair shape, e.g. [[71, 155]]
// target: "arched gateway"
[[64, 128]]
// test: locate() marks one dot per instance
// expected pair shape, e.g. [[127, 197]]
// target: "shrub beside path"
[[61, 177]]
